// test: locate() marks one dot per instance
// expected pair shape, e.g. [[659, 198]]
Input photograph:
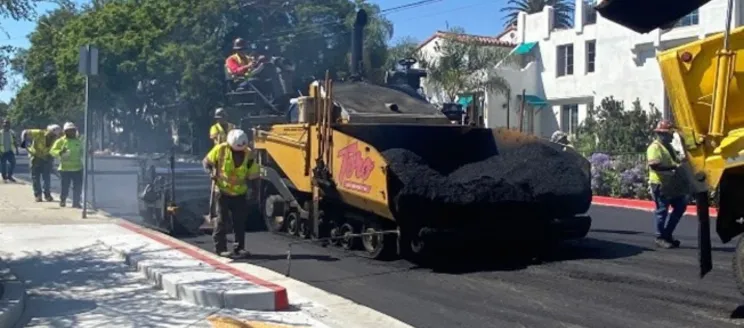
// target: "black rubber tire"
[[386, 248], [269, 219], [738, 265]]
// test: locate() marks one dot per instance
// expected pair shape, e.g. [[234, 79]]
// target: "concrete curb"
[[195, 278], [641, 205], [13, 300]]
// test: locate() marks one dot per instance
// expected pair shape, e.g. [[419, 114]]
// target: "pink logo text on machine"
[[355, 169]]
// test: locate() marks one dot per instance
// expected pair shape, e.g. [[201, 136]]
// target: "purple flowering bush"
[[624, 177]]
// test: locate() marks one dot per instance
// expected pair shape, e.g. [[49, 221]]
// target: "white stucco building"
[[564, 72], [576, 68]]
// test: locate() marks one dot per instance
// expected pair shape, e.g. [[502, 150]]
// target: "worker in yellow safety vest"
[[69, 150], [38, 143], [235, 173], [8, 144], [663, 164], [218, 131]]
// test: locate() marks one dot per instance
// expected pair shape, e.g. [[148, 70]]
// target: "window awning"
[[536, 101], [464, 100], [524, 48]]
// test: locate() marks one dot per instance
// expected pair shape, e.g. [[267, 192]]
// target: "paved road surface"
[[614, 278]]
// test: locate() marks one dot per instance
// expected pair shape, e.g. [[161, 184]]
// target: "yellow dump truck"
[[702, 82]]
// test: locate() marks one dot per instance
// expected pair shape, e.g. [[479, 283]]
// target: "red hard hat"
[[663, 126], [238, 44]]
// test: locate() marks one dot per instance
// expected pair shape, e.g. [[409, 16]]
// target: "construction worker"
[[240, 65], [69, 150], [234, 172], [561, 138], [663, 163], [218, 131], [8, 144], [38, 143]]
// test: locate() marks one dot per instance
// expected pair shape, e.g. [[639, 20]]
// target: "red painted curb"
[[281, 301], [639, 204]]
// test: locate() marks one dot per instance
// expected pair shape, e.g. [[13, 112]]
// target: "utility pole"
[[88, 66]]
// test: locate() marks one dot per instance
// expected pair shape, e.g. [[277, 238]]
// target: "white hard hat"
[[219, 113], [69, 126], [54, 128], [237, 139], [558, 135]]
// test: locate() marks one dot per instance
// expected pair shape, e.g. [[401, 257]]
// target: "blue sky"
[[476, 16]]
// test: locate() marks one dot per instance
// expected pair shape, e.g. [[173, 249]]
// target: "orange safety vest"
[[242, 61]]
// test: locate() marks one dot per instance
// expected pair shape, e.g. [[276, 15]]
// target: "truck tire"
[[738, 264]]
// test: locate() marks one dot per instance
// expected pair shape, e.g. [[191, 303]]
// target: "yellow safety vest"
[[231, 180], [218, 134], [12, 141], [242, 61], [72, 160], [657, 149], [39, 147]]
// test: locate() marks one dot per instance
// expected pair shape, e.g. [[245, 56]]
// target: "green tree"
[[563, 10], [464, 66], [403, 48], [161, 61], [610, 128]]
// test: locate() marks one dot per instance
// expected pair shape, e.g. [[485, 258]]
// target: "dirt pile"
[[533, 179]]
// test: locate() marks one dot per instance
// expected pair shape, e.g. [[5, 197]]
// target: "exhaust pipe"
[[357, 46]]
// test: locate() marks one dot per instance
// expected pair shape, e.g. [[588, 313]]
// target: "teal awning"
[[524, 48], [464, 100], [535, 101]]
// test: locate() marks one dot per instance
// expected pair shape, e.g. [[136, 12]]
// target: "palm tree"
[[563, 11], [465, 67]]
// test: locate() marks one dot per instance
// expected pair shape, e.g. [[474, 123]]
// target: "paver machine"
[[702, 82], [379, 169]]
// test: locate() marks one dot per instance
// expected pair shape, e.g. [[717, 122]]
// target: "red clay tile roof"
[[480, 39]]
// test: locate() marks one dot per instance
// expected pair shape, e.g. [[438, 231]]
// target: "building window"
[[565, 60], [570, 118], [692, 18], [590, 15], [591, 51]]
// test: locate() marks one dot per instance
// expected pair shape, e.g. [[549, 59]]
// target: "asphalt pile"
[[533, 180]]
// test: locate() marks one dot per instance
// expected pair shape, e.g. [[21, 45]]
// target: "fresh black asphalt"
[[613, 278]]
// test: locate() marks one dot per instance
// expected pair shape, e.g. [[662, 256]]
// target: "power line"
[[384, 12]]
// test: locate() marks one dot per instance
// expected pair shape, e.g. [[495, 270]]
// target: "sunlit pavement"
[[72, 280]]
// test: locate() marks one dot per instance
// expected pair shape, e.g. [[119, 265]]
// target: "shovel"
[[209, 218]]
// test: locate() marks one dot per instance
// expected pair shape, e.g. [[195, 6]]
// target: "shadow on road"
[[510, 260], [84, 286]]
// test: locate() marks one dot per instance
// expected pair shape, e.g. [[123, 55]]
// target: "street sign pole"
[[88, 66]]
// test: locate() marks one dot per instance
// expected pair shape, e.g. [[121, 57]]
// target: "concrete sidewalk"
[[94, 272]]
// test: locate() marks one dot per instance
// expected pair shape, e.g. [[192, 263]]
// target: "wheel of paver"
[[345, 230], [274, 214], [305, 229], [293, 223], [377, 246], [739, 265]]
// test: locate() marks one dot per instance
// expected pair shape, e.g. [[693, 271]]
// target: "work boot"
[[11, 179], [48, 198], [663, 243], [675, 243], [38, 199], [62, 203], [225, 254], [241, 253]]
